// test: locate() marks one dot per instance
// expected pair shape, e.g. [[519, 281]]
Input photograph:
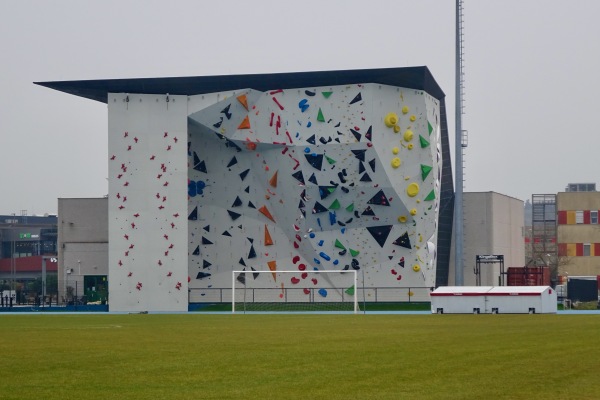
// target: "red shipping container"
[[528, 276]]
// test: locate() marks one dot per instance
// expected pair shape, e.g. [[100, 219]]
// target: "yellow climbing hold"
[[410, 146], [408, 135], [395, 150], [391, 119], [416, 268], [413, 211], [396, 162], [413, 189], [396, 128], [402, 219], [413, 118], [405, 110]]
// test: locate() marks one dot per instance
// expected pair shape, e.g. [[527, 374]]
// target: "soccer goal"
[[290, 291]]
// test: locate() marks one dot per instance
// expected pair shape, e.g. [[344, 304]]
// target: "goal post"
[[291, 291]]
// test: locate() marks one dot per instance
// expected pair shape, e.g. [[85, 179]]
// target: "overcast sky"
[[532, 73]]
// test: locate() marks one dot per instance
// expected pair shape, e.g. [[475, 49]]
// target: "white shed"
[[459, 299], [522, 299], [488, 299]]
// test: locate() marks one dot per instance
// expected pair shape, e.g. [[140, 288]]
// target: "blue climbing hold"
[[309, 124], [317, 261], [307, 150], [325, 256], [322, 292], [312, 235], [303, 104], [192, 189], [321, 242]]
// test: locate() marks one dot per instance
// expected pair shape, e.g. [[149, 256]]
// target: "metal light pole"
[[458, 162]]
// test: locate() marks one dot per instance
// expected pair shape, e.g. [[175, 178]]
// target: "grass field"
[[200, 356]]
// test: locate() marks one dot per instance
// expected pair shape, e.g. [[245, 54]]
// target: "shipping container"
[[528, 276]]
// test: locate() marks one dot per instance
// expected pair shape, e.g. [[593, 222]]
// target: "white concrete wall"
[[147, 202]]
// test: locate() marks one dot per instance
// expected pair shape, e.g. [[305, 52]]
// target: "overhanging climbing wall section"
[[341, 177], [147, 145]]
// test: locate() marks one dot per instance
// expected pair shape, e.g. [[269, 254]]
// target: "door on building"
[[96, 288]]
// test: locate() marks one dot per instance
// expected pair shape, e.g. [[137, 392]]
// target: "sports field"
[[199, 356]]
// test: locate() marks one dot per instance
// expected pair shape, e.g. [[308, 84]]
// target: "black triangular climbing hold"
[[379, 199], [226, 234], [232, 162], [250, 240], [360, 154], [356, 98], [319, 208], [365, 178], [311, 139], [218, 124], [202, 275], [313, 179], [241, 278], [197, 251], [361, 168], [356, 134], [254, 274], [242, 262], [369, 134], [226, 111], [205, 264], [315, 160], [237, 202], [372, 165], [301, 204], [206, 228], [299, 177], [193, 215], [251, 205], [325, 191], [403, 241], [380, 233], [234, 215], [252, 253], [368, 211], [206, 241], [247, 190], [243, 174], [230, 143]]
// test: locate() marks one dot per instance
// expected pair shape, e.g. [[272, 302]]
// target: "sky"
[[531, 74]]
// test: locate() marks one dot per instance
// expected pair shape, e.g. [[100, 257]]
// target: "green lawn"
[[200, 356]]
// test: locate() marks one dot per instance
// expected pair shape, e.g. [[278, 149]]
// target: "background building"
[[83, 249], [493, 226]]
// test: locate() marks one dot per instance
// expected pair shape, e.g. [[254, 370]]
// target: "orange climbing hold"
[[273, 267], [245, 123], [273, 180], [243, 100], [268, 239], [266, 213]]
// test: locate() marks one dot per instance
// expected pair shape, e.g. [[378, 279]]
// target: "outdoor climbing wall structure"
[[341, 177], [147, 202]]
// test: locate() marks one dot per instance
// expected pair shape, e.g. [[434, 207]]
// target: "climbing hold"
[[413, 189], [408, 135], [395, 150], [330, 160], [264, 211], [356, 98], [320, 117], [322, 292], [335, 205], [268, 239], [380, 233], [430, 196], [396, 162], [391, 119], [429, 128], [243, 174], [379, 199], [325, 256], [273, 267], [410, 146], [303, 105], [245, 124], [424, 142], [405, 110], [403, 241], [319, 208], [402, 219], [354, 253], [416, 268], [326, 94], [413, 211], [315, 160], [243, 101], [413, 118], [425, 170], [339, 245], [299, 177], [396, 128], [273, 180]]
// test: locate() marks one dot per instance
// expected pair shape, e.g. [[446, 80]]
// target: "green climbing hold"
[[424, 142], [425, 170], [354, 253], [350, 208], [339, 245], [320, 116], [335, 205], [326, 94], [330, 160], [350, 291], [430, 196], [429, 127]]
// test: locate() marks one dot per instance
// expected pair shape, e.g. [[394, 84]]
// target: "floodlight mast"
[[458, 145]]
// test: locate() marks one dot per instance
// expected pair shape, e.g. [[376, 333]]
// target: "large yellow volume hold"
[[413, 189], [396, 162], [391, 119]]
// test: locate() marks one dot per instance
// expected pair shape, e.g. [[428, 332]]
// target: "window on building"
[[593, 217], [586, 249], [579, 217]]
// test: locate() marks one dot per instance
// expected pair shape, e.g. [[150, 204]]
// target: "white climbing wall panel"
[[148, 252], [342, 177]]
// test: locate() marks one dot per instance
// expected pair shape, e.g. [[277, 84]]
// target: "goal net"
[[289, 291]]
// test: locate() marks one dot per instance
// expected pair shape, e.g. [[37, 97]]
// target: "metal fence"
[[370, 295]]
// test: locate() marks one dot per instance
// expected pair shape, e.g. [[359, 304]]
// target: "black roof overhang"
[[411, 77]]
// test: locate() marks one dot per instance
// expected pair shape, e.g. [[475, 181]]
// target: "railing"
[[370, 295]]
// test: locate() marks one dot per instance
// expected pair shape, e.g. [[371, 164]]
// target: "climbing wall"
[[147, 202], [342, 177]]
